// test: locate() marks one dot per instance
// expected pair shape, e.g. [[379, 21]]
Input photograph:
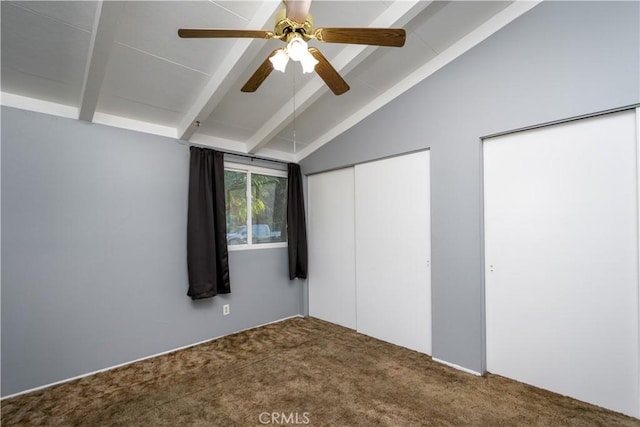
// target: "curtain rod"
[[252, 157], [230, 153]]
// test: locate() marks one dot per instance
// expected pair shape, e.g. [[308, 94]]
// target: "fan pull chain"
[[294, 111]]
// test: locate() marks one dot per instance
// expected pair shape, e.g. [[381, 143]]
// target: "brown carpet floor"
[[302, 371]]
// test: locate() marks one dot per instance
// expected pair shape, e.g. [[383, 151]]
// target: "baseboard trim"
[[458, 367], [31, 390]]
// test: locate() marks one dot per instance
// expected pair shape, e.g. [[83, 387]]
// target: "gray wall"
[[94, 253], [560, 60]]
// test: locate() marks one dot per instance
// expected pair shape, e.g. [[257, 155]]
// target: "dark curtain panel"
[[296, 224], [207, 255]]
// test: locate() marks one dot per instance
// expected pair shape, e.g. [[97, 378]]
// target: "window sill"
[[234, 248]]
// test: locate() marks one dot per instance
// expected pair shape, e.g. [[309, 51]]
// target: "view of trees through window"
[[267, 207]]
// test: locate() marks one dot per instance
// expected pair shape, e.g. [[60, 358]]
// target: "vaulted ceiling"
[[122, 64]]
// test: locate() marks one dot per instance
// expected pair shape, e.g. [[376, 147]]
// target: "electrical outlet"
[[225, 309]]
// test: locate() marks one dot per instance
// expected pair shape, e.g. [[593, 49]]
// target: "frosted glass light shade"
[[280, 60], [308, 63], [297, 48]]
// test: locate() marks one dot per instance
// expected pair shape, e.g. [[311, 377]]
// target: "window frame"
[[249, 170]]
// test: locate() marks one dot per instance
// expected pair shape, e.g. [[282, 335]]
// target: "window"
[[256, 202]]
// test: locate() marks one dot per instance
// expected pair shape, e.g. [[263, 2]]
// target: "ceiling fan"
[[294, 26]]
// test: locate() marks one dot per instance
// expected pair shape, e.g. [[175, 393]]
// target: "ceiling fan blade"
[[329, 74], [297, 10], [394, 37], [222, 33], [260, 75]]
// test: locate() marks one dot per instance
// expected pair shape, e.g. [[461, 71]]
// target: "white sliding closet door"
[[393, 250], [561, 251], [332, 286]]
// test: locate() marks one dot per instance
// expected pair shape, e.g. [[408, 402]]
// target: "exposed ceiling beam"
[[398, 14], [102, 37], [223, 78], [476, 36]]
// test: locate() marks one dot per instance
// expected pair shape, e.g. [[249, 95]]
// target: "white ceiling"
[[122, 64]]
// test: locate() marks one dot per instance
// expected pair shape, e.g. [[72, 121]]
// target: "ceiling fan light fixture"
[[294, 26], [280, 60]]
